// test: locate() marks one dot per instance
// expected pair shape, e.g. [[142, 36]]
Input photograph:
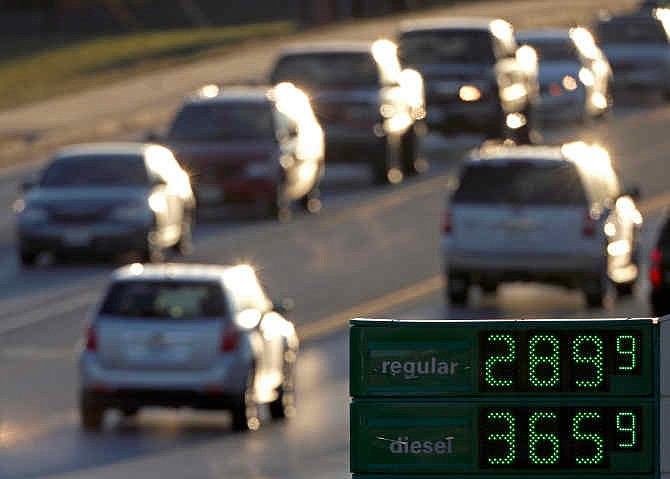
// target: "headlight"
[[469, 93], [267, 169], [569, 83], [586, 77], [34, 215], [138, 213]]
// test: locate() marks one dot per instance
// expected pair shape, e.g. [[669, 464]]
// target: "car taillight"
[[230, 339], [655, 276], [91, 339], [589, 226], [447, 223]]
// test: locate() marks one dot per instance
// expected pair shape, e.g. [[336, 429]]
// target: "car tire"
[[659, 308], [595, 297], [245, 413], [625, 290], [27, 259], [284, 404], [91, 413], [458, 288], [185, 244], [410, 150], [384, 169], [311, 202], [524, 135]]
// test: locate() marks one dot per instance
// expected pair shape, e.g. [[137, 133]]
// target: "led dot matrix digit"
[[544, 354], [581, 419], [490, 367], [509, 437], [588, 350], [628, 350]]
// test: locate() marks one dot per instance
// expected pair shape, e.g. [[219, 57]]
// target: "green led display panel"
[[600, 358], [501, 438]]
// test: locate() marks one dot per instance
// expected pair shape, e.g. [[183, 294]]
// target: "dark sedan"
[[106, 199], [659, 272]]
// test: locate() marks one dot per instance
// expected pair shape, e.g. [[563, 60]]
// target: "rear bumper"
[[641, 79], [227, 376], [137, 398], [562, 268]]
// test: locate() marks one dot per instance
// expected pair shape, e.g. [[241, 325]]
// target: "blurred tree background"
[[79, 17]]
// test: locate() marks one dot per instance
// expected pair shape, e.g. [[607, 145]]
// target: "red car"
[[258, 147]]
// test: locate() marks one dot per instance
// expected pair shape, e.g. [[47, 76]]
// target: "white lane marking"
[[45, 312]]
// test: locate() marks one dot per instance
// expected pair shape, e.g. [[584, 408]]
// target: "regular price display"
[[557, 361], [561, 437]]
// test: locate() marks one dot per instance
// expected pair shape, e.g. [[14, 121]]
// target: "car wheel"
[[92, 414], [311, 202], [596, 291], [27, 258], [524, 135], [659, 308], [458, 287], [410, 147], [185, 244], [384, 167], [625, 290], [245, 412], [284, 405]]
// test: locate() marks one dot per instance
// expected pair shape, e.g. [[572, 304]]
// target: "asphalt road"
[[371, 252]]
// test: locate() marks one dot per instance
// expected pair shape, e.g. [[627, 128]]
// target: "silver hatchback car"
[[175, 335]]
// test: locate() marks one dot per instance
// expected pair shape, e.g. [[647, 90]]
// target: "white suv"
[[549, 214]]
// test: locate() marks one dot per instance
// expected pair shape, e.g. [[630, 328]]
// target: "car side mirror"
[[283, 306], [634, 192]]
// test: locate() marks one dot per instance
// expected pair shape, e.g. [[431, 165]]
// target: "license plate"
[[209, 194], [77, 238]]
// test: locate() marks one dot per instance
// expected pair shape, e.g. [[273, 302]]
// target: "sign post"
[[499, 398]]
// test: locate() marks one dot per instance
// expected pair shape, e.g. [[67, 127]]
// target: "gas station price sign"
[[485, 358], [497, 398]]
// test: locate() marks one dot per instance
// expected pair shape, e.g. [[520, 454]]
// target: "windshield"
[[98, 170], [320, 70], [165, 300], [554, 50], [451, 46], [632, 32], [223, 122], [521, 183]]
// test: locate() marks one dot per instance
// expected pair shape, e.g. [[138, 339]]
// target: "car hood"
[[85, 199], [194, 155], [555, 71], [643, 53], [454, 71]]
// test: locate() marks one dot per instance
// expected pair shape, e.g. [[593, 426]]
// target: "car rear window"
[[164, 300], [330, 69], [650, 31], [227, 121], [521, 183], [96, 170], [446, 46]]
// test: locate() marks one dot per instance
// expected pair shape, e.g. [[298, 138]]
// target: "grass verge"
[[76, 66]]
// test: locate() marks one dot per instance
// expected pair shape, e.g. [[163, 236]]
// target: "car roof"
[[326, 47], [448, 23], [557, 34], [102, 149], [231, 94], [172, 272]]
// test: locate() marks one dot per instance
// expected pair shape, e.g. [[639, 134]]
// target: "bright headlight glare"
[[469, 93], [157, 203], [34, 215], [586, 77], [569, 83]]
